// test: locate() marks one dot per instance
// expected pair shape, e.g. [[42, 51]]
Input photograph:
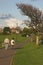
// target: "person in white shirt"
[[12, 42], [6, 42]]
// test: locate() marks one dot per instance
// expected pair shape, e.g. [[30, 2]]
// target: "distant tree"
[[6, 30], [36, 17], [27, 31]]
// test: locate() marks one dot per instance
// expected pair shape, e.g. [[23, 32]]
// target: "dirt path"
[[6, 56]]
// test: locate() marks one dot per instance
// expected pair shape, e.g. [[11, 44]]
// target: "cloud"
[[5, 16], [12, 22]]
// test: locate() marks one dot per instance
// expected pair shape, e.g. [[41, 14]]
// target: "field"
[[30, 54]]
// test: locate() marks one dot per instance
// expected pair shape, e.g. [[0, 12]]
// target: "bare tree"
[[36, 17]]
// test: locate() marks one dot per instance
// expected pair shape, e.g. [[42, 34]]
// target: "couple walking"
[[7, 43]]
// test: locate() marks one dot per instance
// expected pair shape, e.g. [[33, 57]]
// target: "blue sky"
[[8, 7]]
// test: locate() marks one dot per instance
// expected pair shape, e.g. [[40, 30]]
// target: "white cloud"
[[13, 22], [9, 20]]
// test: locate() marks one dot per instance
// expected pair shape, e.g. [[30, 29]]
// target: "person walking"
[[6, 42], [12, 42]]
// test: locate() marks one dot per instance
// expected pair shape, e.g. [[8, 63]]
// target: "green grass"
[[18, 38], [30, 54]]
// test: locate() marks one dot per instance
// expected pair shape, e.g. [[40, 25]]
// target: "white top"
[[12, 42], [6, 40]]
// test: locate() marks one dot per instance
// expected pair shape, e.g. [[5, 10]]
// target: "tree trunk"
[[37, 40]]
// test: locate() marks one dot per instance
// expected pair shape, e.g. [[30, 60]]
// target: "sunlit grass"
[[30, 54]]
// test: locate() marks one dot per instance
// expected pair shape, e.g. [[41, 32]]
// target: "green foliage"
[[6, 30], [26, 31]]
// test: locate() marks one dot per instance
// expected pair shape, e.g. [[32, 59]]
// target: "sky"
[[9, 11]]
